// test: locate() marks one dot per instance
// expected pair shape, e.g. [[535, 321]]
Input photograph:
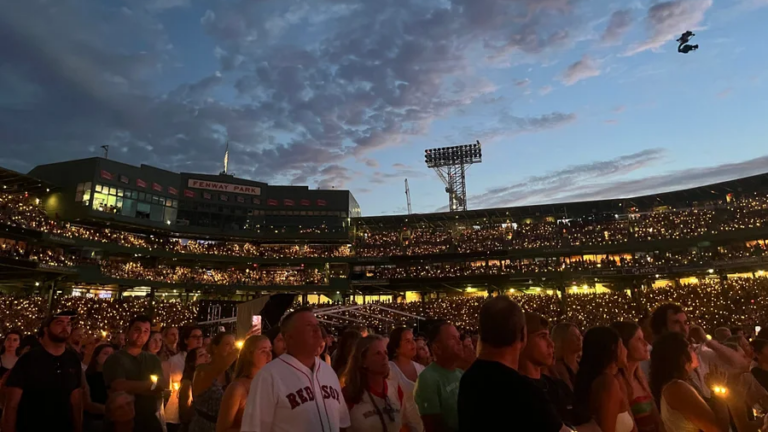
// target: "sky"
[[571, 99]]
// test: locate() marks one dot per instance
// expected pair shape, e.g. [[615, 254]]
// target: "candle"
[[153, 378], [720, 390], [709, 337], [176, 386], [239, 344], [103, 333]]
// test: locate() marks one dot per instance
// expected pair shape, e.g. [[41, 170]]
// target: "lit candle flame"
[[709, 337], [153, 378], [176, 386], [239, 344], [103, 333], [720, 390]]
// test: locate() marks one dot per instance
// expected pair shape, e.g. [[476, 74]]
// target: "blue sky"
[[571, 99]]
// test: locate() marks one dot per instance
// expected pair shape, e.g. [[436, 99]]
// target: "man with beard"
[[44, 388], [138, 373]]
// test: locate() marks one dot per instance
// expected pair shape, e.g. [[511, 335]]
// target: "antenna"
[[106, 151], [408, 195], [226, 159]]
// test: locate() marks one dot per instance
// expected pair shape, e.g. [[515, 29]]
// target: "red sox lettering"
[[304, 395]]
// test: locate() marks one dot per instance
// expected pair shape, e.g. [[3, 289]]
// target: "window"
[[142, 196], [98, 187]]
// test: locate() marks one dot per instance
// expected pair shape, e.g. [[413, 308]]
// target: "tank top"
[[642, 410], [378, 412], [673, 420]]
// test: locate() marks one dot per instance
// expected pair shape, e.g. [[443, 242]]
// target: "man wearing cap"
[[44, 388]]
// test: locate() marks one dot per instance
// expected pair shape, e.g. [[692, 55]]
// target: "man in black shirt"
[[44, 388], [493, 395], [535, 360]]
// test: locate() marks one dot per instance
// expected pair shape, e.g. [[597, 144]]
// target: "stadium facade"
[[105, 190]]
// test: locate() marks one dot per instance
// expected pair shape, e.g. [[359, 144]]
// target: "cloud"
[[508, 126], [581, 70], [557, 185], [619, 109], [522, 83], [725, 93], [667, 20], [618, 24], [547, 89], [375, 75], [334, 177], [401, 172], [611, 121]]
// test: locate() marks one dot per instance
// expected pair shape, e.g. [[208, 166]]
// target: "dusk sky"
[[571, 99]]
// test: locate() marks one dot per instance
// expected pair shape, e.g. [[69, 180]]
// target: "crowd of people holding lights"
[[517, 371]]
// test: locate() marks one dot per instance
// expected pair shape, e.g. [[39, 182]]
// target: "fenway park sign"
[[223, 187]]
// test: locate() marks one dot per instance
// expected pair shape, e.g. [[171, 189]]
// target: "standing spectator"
[[568, 340], [195, 358], [296, 392], [437, 388], [173, 369], [118, 340], [641, 403], [44, 389], [423, 356], [671, 318], [8, 352], [536, 359], [682, 407], [170, 343], [94, 376], [494, 395], [401, 349], [75, 341], [131, 370], [722, 334], [598, 394], [154, 344], [760, 371], [277, 340], [347, 345], [375, 403], [210, 381], [256, 353]]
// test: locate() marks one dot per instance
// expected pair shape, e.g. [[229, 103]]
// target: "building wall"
[[195, 203]]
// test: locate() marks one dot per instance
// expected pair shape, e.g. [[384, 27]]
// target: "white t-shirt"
[[173, 368], [286, 396], [395, 374], [374, 408]]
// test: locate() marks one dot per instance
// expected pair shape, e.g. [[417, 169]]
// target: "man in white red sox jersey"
[[296, 392]]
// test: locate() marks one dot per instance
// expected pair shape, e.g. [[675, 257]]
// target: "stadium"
[[110, 239]]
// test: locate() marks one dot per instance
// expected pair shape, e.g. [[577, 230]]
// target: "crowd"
[[96, 315], [194, 275], [702, 257], [517, 370]]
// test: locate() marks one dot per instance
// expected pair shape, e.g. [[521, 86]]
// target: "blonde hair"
[[354, 379], [245, 359]]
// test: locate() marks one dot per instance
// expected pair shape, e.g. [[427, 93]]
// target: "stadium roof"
[[13, 181], [680, 198]]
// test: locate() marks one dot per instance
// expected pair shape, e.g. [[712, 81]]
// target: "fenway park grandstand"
[[110, 238]]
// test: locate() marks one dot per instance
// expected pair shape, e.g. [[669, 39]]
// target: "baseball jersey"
[[376, 410], [286, 396]]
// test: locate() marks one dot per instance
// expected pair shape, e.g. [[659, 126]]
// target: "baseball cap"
[[535, 322], [67, 313]]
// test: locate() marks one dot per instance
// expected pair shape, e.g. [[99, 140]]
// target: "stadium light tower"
[[451, 164]]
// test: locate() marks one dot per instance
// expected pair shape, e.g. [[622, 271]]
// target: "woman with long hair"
[[423, 356], [9, 351], [194, 358], [404, 371], [97, 387], [322, 352], [277, 340], [638, 391], [598, 394], [256, 352], [568, 344], [346, 347], [375, 403], [210, 381], [154, 343], [682, 408]]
